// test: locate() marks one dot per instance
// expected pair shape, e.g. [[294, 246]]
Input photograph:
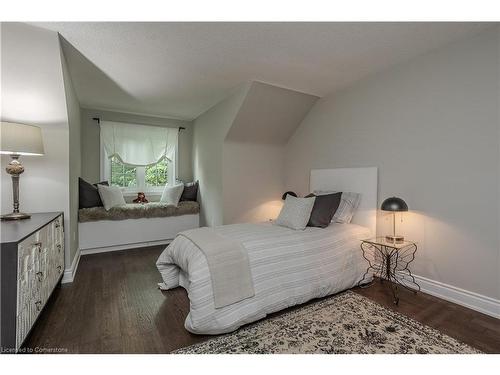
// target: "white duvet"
[[288, 267]]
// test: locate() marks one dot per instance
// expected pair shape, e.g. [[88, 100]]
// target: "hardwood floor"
[[113, 306]]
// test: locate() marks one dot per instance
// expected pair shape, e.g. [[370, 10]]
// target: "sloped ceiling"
[[269, 114], [182, 69], [32, 91]]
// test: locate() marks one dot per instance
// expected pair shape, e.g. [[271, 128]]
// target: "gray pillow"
[[349, 203], [190, 192], [323, 210], [296, 212], [88, 196]]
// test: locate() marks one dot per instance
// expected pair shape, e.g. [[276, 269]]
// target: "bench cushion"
[[137, 211]]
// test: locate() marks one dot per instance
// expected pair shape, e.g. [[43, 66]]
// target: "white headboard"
[[357, 180]]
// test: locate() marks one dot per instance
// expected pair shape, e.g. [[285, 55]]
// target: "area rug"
[[346, 323]]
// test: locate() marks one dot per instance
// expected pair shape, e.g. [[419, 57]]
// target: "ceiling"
[[182, 69]]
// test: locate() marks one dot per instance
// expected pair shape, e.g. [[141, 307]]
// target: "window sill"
[[134, 193]]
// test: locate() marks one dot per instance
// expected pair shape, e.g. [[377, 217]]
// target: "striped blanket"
[[288, 267]]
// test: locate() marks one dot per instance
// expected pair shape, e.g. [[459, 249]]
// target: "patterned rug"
[[346, 323]]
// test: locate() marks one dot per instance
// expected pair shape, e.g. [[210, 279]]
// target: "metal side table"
[[390, 261]]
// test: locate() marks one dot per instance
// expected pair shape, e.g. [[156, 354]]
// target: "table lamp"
[[17, 140], [394, 205]]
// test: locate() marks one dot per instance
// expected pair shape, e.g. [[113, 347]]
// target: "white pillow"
[[111, 196], [349, 203], [172, 194], [296, 212]]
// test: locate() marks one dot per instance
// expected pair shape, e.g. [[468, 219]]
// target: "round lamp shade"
[[20, 139], [394, 204]]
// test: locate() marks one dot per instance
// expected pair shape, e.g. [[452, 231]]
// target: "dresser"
[[31, 265]]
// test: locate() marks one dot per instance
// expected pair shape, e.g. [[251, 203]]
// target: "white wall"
[[431, 126], [254, 152], [253, 181], [33, 93], [238, 150], [498, 158], [75, 153], [210, 130]]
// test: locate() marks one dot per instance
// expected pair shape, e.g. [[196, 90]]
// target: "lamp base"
[[395, 239], [15, 216], [15, 169]]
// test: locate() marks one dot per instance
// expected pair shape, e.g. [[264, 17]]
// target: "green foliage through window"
[[156, 175], [123, 175]]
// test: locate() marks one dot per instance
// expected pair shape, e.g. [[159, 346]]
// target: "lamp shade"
[[394, 204], [20, 139]]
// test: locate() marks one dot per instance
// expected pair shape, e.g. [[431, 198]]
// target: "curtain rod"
[[99, 122]]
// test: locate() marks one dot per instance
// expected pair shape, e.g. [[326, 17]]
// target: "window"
[[134, 179], [143, 158], [122, 175], [157, 175]]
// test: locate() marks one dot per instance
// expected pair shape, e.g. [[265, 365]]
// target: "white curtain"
[[138, 145]]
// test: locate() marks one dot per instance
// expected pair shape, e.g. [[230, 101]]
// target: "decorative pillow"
[[323, 210], [190, 192], [111, 196], [296, 212], [349, 203], [88, 195], [172, 194]]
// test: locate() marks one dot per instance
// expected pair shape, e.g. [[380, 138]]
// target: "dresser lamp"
[[17, 140], [394, 205]]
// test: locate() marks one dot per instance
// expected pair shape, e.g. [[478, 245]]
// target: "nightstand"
[[390, 261]]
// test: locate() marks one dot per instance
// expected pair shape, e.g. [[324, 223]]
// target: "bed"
[[288, 267]]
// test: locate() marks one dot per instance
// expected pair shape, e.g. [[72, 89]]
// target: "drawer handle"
[[59, 247], [38, 245], [59, 268], [38, 305], [39, 275], [57, 224]]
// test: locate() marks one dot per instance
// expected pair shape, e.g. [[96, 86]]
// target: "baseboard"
[[69, 274], [474, 301], [123, 247]]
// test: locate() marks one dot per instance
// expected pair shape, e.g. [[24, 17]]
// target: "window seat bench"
[[133, 225], [137, 211]]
